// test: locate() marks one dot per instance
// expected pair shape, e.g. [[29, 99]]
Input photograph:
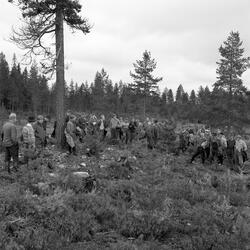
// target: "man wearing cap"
[[10, 142], [40, 133]]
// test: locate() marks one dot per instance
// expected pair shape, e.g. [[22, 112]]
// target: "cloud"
[[183, 36]]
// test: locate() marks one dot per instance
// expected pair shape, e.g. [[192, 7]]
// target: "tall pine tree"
[[43, 18], [230, 69], [192, 98], [145, 84], [179, 94], [232, 65]]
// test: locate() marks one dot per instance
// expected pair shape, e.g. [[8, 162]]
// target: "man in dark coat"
[[10, 142]]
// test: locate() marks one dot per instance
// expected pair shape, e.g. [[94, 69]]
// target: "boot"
[[70, 150]]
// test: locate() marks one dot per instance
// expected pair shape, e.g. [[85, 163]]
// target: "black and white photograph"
[[124, 125]]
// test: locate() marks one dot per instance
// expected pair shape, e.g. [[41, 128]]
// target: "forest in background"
[[23, 90], [226, 103]]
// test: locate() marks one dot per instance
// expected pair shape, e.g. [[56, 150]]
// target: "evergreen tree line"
[[23, 90], [206, 105], [28, 91], [226, 103]]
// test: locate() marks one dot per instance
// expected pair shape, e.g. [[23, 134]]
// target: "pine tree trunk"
[[144, 106], [230, 103], [60, 83]]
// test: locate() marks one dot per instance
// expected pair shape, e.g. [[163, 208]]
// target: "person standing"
[[214, 149], [70, 133], [230, 151], [240, 150], [103, 127], [132, 130], [29, 140], [222, 147], [40, 133], [114, 123], [202, 143], [10, 142], [149, 134], [119, 131]]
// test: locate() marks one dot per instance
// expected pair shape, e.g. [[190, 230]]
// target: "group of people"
[[215, 146], [210, 146], [116, 129], [32, 138]]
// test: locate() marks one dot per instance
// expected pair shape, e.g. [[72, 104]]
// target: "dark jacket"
[[40, 133], [132, 127], [9, 134]]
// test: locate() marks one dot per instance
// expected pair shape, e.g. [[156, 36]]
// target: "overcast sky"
[[182, 35]]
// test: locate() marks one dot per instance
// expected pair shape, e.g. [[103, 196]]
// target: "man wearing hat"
[[10, 142]]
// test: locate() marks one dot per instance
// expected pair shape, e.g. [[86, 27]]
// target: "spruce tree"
[[145, 84], [192, 98], [4, 80], [164, 98], [185, 98], [33, 84], [15, 85], [98, 90], [170, 97], [230, 69], [179, 94], [232, 65]]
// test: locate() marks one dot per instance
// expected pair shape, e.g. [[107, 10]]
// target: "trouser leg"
[[220, 158], [7, 159], [239, 158], [203, 155], [207, 151], [70, 149], [150, 143], [126, 137], [230, 157], [198, 152], [74, 150], [132, 135], [103, 134], [15, 156], [244, 156], [7, 166], [213, 154]]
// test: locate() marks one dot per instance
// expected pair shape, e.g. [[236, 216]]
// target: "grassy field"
[[133, 199]]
